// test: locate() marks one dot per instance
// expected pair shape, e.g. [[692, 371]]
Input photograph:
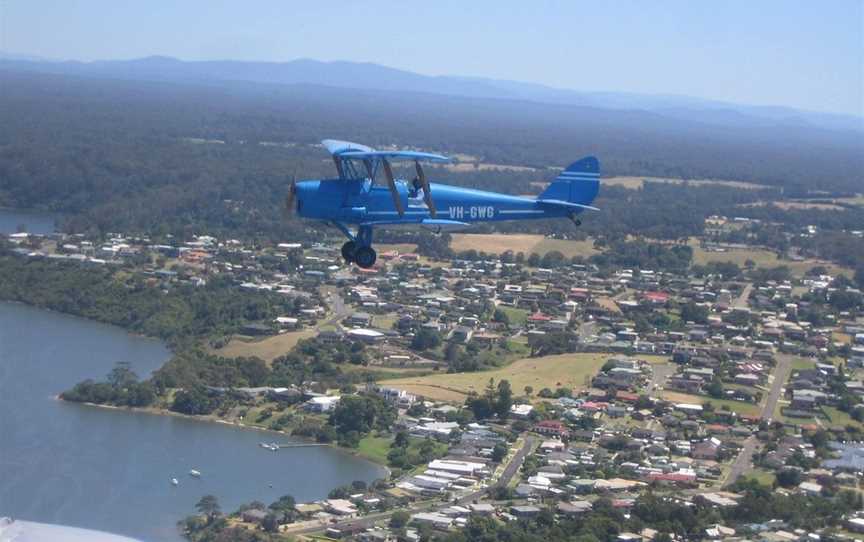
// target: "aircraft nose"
[[303, 190]]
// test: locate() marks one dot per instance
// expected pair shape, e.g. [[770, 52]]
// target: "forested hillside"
[[160, 156]]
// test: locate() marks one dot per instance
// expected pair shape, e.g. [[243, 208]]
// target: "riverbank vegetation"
[[178, 314]]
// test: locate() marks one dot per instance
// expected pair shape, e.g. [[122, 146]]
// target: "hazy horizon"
[[774, 53]]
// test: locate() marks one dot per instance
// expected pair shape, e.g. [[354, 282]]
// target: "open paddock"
[[573, 371], [498, 243], [267, 349]]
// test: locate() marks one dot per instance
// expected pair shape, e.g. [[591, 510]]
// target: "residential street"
[[507, 475], [780, 375]]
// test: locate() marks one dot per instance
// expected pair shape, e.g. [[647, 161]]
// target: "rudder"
[[578, 183]]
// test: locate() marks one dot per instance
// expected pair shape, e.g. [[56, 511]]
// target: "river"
[[110, 469], [11, 220]]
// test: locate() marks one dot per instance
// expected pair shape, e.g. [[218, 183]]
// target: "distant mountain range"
[[370, 76]]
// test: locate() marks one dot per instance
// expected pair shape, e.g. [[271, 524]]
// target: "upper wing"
[[393, 155], [336, 146]]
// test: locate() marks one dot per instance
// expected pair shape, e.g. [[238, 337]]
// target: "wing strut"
[[391, 183], [338, 162], [427, 193]]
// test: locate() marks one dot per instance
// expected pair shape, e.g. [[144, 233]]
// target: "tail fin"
[[578, 183]]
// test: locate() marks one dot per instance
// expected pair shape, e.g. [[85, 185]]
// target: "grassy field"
[[839, 418], [762, 258], [565, 370], [267, 349], [638, 182], [609, 304], [800, 364], [401, 248], [375, 448], [497, 243], [384, 321], [739, 407], [516, 316], [567, 247], [764, 477]]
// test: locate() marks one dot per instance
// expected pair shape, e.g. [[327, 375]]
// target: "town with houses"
[[622, 381]]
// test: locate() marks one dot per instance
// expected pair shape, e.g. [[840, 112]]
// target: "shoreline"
[[165, 412], [240, 425]]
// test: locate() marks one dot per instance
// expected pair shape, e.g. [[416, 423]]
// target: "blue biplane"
[[356, 199]]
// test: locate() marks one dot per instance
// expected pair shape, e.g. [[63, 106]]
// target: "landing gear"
[[358, 249], [365, 257], [348, 250]]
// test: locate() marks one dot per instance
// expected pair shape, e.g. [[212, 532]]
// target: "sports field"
[[564, 370]]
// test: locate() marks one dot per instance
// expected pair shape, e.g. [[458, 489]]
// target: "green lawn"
[[516, 316], [740, 407], [764, 477], [840, 418], [375, 448], [800, 364], [573, 371]]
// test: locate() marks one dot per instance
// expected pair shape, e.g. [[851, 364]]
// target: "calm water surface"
[[12, 221], [110, 470]]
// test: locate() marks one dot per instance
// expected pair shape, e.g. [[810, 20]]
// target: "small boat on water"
[[271, 446], [194, 473], [175, 482]]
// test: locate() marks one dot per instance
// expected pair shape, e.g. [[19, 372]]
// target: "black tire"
[[365, 257], [348, 251]]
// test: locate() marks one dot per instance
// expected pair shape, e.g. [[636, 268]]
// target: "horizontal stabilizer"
[[559, 203]]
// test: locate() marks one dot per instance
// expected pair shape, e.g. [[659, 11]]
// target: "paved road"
[[340, 311], [515, 464], [659, 374], [781, 375], [510, 470], [741, 301], [744, 461]]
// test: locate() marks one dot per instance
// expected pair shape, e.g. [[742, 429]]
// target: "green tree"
[[425, 339], [504, 399], [499, 452], [208, 506], [399, 519]]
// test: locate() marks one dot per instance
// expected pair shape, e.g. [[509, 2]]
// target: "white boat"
[[195, 473], [175, 482]]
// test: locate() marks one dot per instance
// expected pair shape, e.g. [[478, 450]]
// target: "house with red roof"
[[555, 428]]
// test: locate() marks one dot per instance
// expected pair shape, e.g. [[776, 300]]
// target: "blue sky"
[[797, 53]]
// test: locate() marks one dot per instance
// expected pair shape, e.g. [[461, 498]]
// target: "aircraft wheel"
[[577, 222], [348, 251], [365, 257]]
